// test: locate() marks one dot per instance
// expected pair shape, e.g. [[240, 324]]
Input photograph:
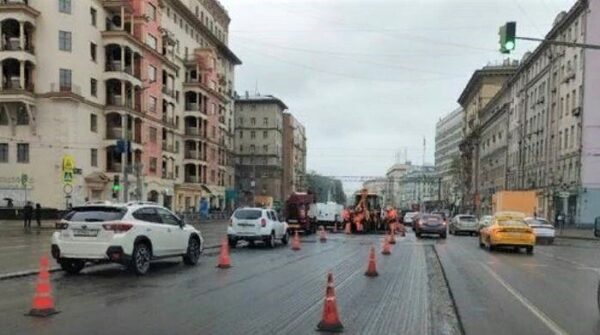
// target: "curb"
[[584, 238], [27, 273]]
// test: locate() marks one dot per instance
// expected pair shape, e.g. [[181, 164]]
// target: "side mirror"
[[181, 222]]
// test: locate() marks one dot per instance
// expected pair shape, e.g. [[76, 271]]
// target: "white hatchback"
[[256, 224], [131, 234]]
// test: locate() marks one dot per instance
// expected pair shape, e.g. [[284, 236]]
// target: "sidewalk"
[[20, 249], [576, 233]]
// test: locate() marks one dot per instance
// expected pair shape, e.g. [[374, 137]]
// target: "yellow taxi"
[[507, 229]]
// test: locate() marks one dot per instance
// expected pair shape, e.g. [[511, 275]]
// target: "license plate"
[[85, 232], [246, 224]]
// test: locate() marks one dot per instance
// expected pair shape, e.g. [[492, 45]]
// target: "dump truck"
[[515, 201]]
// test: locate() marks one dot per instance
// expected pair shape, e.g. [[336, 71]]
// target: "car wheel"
[[72, 266], [481, 245], [270, 241], [529, 250], [232, 243], [490, 246], [418, 235], [286, 237], [140, 260], [193, 252]]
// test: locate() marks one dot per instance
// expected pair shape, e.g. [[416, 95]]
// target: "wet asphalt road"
[[266, 291], [550, 292], [280, 291]]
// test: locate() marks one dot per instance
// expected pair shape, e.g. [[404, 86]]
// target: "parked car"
[[544, 231], [132, 234], [484, 221], [256, 224], [464, 223], [408, 218], [508, 229], [429, 224]]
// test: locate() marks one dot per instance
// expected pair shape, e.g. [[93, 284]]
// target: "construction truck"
[[367, 212], [299, 212]]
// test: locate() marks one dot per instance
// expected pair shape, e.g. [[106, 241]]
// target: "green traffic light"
[[509, 45], [116, 188]]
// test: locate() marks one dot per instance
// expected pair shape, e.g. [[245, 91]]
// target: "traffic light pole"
[[567, 44]]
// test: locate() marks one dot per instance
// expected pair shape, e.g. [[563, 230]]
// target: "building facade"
[[259, 147], [109, 71], [294, 156], [481, 88], [420, 188], [448, 136], [548, 110], [394, 185]]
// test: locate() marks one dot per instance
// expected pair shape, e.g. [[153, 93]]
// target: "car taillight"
[[263, 222], [117, 227]]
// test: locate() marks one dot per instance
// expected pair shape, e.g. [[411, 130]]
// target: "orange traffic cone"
[[347, 229], [392, 239], [296, 242], [322, 235], [372, 269], [386, 247], [330, 322], [43, 303], [224, 260]]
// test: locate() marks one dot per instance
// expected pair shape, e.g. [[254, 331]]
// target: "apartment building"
[[448, 136], [259, 133], [481, 88], [294, 155], [112, 70], [547, 108]]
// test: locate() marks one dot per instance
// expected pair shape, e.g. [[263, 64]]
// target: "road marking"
[[597, 270], [555, 328]]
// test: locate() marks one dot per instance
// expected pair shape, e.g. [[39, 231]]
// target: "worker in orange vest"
[[392, 218]]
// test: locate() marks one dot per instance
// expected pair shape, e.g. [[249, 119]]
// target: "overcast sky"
[[370, 78]]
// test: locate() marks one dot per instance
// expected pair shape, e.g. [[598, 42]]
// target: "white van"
[[329, 213]]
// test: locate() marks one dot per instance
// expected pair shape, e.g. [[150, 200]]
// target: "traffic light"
[[508, 34], [116, 187]]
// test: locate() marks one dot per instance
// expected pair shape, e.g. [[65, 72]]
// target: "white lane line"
[[597, 270], [555, 328]]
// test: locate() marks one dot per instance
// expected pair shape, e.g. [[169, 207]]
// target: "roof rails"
[[139, 202]]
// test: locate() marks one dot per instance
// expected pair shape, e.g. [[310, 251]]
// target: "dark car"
[[430, 224]]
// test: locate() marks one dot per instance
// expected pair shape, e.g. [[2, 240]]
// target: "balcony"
[[19, 6], [168, 91], [192, 179]]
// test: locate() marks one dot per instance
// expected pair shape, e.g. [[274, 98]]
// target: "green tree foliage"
[[321, 186]]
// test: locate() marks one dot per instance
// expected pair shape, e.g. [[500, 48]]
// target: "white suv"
[[256, 224], [131, 234]]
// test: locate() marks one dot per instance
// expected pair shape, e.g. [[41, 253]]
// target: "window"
[[65, 80], [213, 132], [93, 123], [253, 121], [167, 217], [3, 118], [64, 40], [153, 134], [3, 152], [241, 134], [22, 118], [22, 153], [566, 138], [176, 171], [153, 163], [241, 120], [574, 102], [265, 134], [93, 15], [94, 157], [64, 6], [266, 148], [265, 121], [252, 148], [151, 41], [151, 11], [152, 102], [241, 148], [147, 214], [94, 87], [252, 134], [151, 73], [572, 136], [93, 51], [560, 140]]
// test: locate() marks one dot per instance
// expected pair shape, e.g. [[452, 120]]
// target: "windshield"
[[247, 214], [95, 214], [511, 223]]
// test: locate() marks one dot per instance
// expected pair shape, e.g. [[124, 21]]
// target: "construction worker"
[[345, 216], [392, 218]]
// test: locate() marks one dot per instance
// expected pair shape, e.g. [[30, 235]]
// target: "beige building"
[[393, 189], [481, 88], [76, 76], [294, 155], [259, 146]]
